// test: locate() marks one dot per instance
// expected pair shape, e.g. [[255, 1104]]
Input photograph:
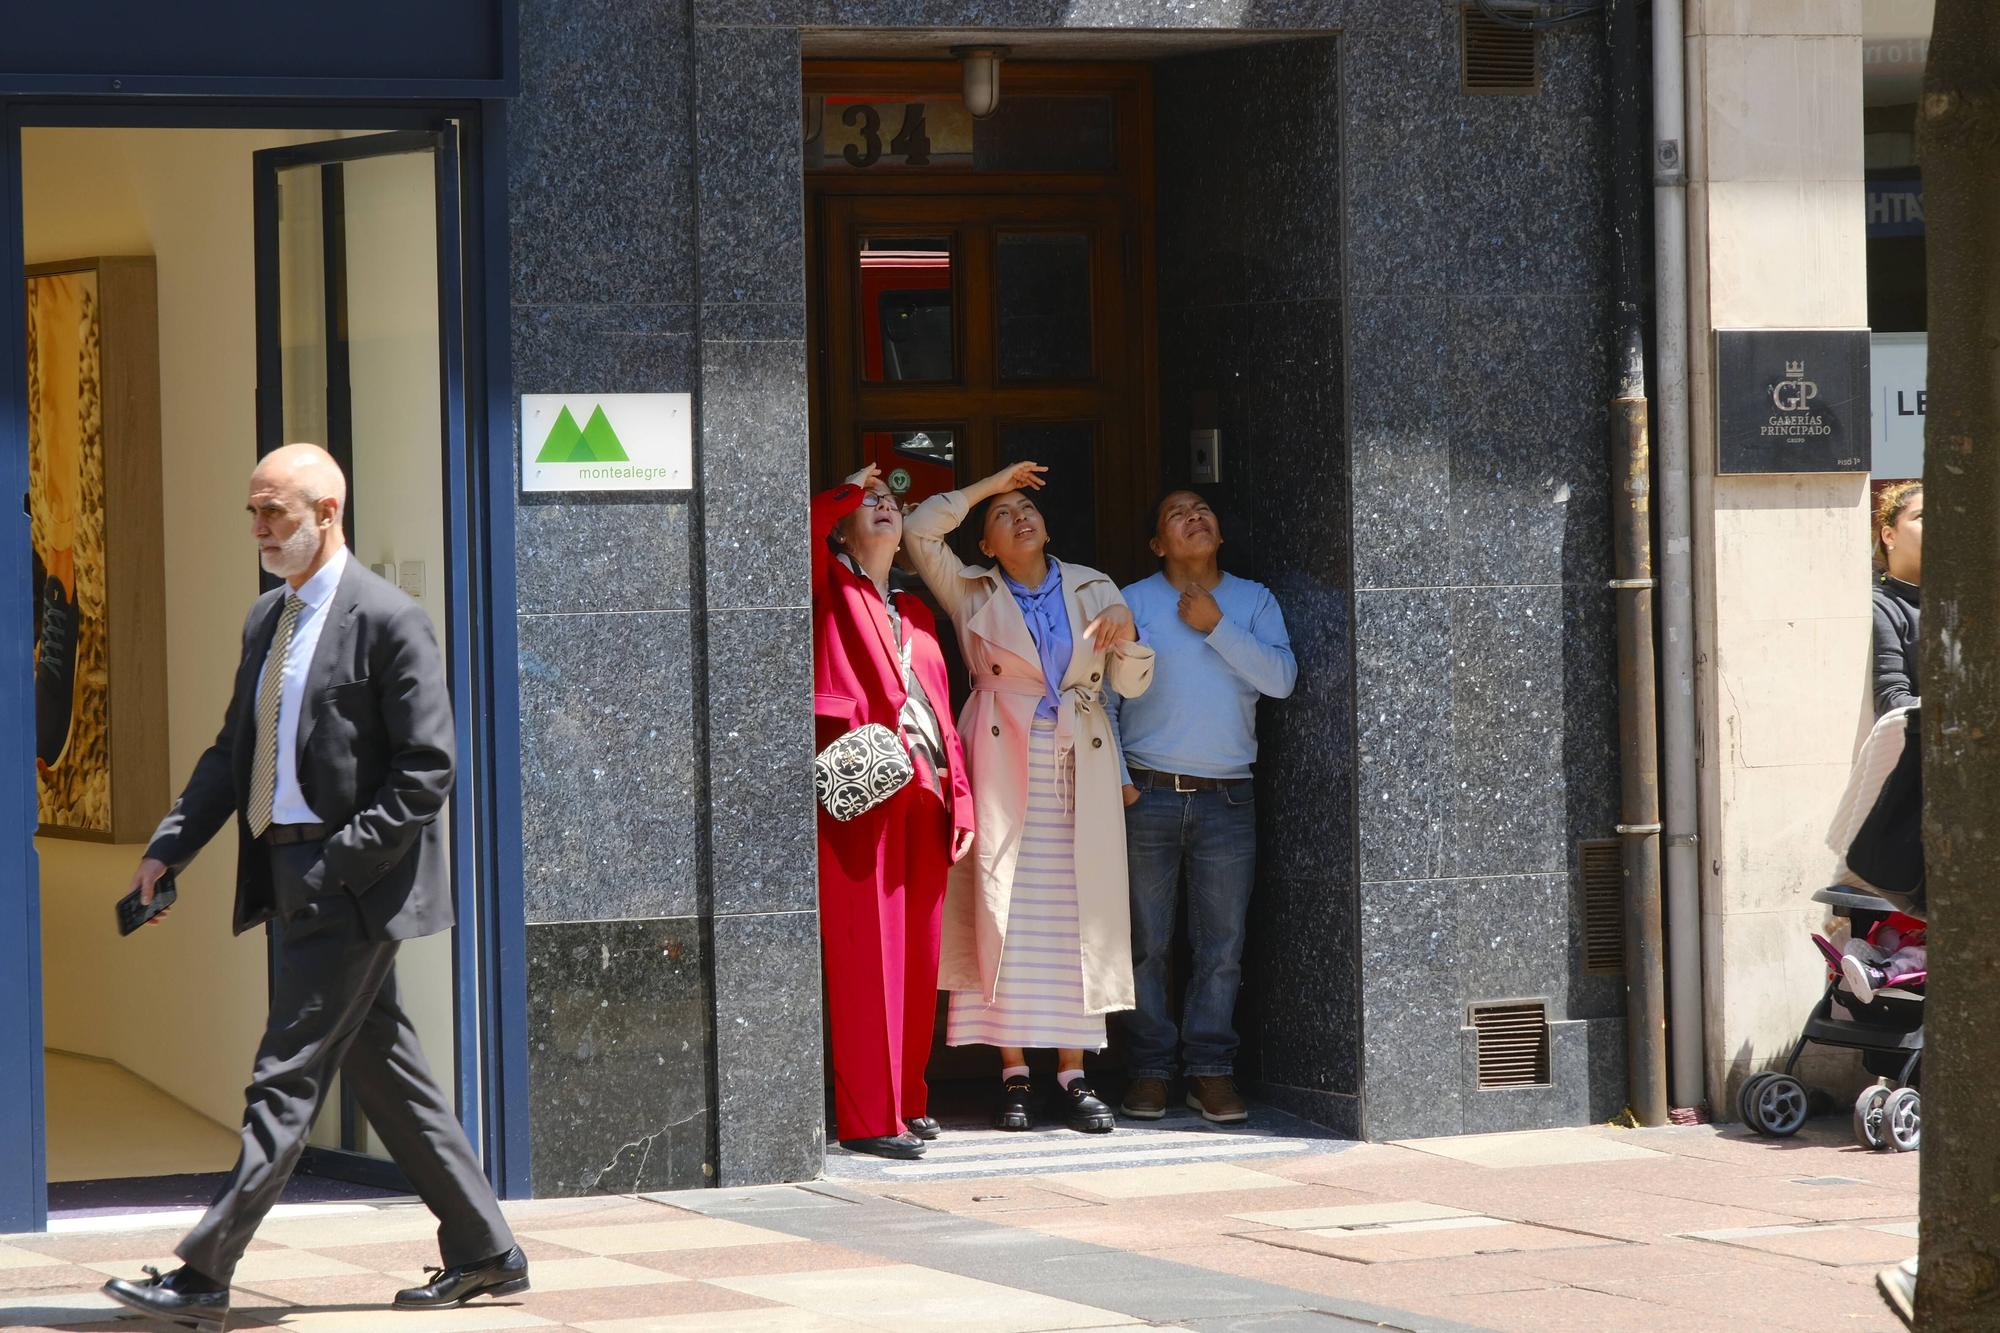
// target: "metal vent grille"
[[1601, 865], [1496, 59], [1513, 1043]]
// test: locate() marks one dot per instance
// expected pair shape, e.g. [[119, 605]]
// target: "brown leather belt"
[[280, 835], [1182, 782]]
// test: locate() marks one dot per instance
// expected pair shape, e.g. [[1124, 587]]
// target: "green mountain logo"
[[596, 442]]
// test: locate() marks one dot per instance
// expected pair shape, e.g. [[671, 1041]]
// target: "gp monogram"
[[1795, 392]]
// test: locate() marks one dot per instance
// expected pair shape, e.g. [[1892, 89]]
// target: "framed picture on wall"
[[94, 525]]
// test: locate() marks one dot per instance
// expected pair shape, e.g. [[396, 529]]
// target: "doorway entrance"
[[981, 290], [299, 283]]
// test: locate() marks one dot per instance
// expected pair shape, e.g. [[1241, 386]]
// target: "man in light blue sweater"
[[1189, 745]]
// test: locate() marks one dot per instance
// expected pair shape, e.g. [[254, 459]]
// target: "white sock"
[[1013, 1071], [1069, 1076]]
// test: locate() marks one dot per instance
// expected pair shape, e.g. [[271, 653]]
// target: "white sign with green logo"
[[606, 442]]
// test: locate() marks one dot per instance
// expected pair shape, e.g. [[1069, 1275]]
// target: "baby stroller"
[[1876, 829]]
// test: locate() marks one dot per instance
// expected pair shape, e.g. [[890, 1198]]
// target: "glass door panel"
[[1068, 449], [1042, 299], [358, 339], [906, 309]]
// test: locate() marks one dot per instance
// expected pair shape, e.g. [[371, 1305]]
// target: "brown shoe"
[[1145, 1099], [1215, 1096]]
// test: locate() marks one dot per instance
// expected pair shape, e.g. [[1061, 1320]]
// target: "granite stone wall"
[[665, 677], [1485, 700]]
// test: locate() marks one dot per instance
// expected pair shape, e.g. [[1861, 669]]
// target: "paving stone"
[[980, 1198], [601, 1304], [12, 1257], [1352, 1215], [697, 1233], [1540, 1148], [1403, 1285], [1800, 1299], [47, 1277], [923, 1298], [1833, 1245], [1439, 1239], [765, 1319], [1152, 1182], [753, 1260], [1576, 1310]]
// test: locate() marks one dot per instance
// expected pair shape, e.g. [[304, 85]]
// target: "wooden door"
[[958, 333]]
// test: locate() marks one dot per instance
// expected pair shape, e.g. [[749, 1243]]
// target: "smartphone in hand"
[[131, 915]]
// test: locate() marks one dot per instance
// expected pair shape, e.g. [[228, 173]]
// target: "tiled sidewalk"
[[1598, 1230], [1591, 1230]]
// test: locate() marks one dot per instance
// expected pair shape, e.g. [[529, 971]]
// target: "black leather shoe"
[[924, 1127], [1082, 1111], [181, 1297], [503, 1275], [905, 1147], [1017, 1105]]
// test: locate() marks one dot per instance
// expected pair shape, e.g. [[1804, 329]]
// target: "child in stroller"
[[1873, 1001], [1891, 954], [1882, 1020]]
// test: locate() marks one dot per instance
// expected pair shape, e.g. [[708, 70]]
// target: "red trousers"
[[881, 905]]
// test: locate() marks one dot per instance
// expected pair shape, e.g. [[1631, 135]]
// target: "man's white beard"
[[295, 554]]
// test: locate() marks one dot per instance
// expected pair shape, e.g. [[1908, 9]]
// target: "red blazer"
[[857, 675]]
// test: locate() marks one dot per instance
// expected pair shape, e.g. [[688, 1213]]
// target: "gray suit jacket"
[[375, 753]]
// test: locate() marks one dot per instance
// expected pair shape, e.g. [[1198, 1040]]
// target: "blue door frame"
[[482, 523]]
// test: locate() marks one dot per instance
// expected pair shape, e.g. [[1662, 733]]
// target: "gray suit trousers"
[[334, 1007]]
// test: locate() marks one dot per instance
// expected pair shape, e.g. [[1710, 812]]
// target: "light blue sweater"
[[1200, 716]]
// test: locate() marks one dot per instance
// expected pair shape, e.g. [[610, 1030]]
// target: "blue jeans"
[[1213, 835]]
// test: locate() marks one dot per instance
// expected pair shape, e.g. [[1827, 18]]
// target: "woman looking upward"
[[1037, 931], [881, 874]]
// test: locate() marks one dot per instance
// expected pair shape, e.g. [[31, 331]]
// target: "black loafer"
[[502, 1275], [1082, 1111], [924, 1127], [906, 1147], [1017, 1105], [180, 1297]]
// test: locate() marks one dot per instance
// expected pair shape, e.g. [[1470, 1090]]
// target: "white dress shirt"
[[288, 805]]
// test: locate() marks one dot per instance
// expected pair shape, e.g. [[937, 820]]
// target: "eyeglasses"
[[876, 499]]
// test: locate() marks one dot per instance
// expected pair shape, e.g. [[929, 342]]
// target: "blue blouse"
[[1048, 622]]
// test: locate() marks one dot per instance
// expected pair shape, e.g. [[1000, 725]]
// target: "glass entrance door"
[[359, 349]]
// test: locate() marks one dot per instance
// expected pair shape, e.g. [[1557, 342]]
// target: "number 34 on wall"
[[911, 143]]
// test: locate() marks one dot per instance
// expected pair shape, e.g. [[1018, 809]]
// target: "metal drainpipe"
[[1685, 1043], [1632, 552]]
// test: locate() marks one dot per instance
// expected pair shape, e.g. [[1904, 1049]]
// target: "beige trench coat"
[[1005, 674]]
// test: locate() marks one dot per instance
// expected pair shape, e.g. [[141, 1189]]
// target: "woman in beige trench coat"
[[1037, 921]]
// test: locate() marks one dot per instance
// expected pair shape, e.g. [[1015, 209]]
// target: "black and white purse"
[[861, 770]]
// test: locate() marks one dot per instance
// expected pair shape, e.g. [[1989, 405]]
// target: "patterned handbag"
[[861, 770]]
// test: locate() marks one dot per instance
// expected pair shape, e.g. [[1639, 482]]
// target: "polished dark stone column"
[[1485, 715]]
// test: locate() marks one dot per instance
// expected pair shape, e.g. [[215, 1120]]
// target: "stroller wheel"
[[1746, 1100], [1903, 1119], [1781, 1106], [1868, 1116]]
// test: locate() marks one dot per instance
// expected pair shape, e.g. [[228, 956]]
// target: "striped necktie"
[[264, 770]]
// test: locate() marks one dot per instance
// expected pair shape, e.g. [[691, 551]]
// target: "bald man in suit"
[[334, 758]]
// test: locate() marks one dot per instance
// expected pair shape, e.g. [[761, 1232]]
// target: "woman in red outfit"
[[881, 874]]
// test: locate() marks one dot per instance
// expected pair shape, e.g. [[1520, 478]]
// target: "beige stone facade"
[[1776, 240]]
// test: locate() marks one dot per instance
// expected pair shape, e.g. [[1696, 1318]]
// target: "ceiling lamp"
[[981, 65]]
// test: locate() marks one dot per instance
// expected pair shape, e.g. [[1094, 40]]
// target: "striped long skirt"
[[1038, 1000]]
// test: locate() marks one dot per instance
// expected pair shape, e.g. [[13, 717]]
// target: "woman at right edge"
[[1037, 922], [1899, 547]]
